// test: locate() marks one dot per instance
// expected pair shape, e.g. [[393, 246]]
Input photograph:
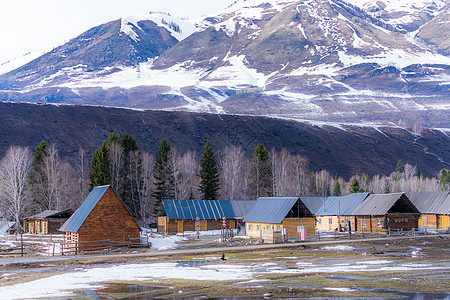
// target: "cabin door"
[[204, 225], [180, 226]]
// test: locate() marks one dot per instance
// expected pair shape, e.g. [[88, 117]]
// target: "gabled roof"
[[342, 205], [313, 203], [242, 207], [204, 209], [50, 214], [74, 223], [431, 202], [5, 226], [272, 209], [381, 204]]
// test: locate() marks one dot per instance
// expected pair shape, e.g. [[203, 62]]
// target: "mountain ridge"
[[344, 150], [353, 61]]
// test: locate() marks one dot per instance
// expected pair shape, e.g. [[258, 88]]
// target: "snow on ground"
[[63, 285], [165, 242], [338, 248], [59, 285]]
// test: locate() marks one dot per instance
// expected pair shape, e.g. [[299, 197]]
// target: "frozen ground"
[[322, 270]]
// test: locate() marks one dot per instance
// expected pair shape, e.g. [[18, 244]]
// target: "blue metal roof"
[[204, 209], [242, 207], [343, 205], [74, 223], [270, 209], [313, 203]]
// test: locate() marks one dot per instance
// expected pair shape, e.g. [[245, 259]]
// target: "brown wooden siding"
[[290, 224], [109, 220], [403, 221], [393, 221], [173, 226]]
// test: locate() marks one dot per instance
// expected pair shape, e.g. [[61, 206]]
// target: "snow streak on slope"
[[179, 29]]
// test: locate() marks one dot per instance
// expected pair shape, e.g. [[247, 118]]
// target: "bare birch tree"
[[188, 181], [15, 168], [232, 177]]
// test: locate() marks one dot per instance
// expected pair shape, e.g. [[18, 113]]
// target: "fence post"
[[107, 249], [76, 248], [21, 245], [54, 244]]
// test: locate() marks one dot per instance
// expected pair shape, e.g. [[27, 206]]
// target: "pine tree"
[[36, 177], [354, 187], [99, 174], [337, 187], [261, 170], [445, 179], [400, 168], [209, 175], [164, 178]]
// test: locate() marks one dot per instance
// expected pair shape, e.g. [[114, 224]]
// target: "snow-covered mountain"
[[353, 61]]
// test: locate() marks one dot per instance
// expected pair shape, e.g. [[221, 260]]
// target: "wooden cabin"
[[7, 227], [273, 215], [181, 215], [434, 209], [48, 221], [102, 216], [335, 210], [381, 212]]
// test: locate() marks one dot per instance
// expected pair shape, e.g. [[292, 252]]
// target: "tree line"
[[34, 182]]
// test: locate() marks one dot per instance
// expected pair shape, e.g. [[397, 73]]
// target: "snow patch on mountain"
[[179, 29], [396, 57]]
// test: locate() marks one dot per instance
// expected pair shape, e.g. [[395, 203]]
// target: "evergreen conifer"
[[209, 175]]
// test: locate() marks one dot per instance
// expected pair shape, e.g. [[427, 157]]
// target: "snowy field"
[[94, 278]]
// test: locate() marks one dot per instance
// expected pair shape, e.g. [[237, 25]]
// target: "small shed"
[[48, 221], [434, 208], [102, 216], [7, 227], [181, 215], [380, 212], [339, 209], [279, 214]]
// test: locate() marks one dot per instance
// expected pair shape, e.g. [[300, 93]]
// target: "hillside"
[[344, 150], [353, 61]]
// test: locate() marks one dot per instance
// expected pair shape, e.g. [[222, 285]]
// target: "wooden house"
[[183, 215], [48, 221], [287, 215], [381, 212], [434, 208], [339, 210], [102, 216]]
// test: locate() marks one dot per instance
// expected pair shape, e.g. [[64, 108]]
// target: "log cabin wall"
[[290, 224], [402, 221], [109, 219], [444, 222], [166, 225], [430, 221]]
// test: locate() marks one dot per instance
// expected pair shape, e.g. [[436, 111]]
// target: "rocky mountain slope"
[[352, 61], [343, 150]]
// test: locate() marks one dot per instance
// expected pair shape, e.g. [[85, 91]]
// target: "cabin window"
[[330, 221], [363, 223], [424, 220], [278, 227], [378, 222], [44, 227], [250, 227], [319, 221], [37, 227], [268, 227], [258, 227]]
